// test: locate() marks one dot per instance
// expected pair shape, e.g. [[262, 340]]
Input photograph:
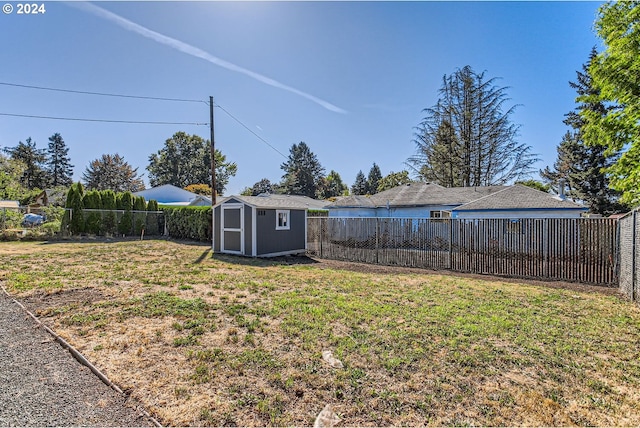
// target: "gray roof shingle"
[[271, 201], [519, 197]]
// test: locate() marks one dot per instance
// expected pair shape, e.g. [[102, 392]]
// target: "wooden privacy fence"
[[583, 250]]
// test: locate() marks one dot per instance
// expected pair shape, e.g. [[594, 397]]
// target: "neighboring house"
[[49, 197], [427, 200], [262, 226], [168, 194], [519, 202]]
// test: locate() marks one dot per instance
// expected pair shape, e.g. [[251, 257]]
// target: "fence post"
[[451, 244], [377, 238]]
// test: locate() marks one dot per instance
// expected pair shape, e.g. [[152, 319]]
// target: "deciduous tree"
[[186, 159], [33, 159], [393, 179]]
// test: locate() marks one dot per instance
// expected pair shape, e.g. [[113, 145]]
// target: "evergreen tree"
[[34, 176], [112, 172], [93, 219], [584, 167], [139, 215], [303, 172], [73, 218], [467, 137], [260, 187], [124, 202], [373, 179], [186, 159], [58, 162], [152, 228], [360, 185], [108, 202]]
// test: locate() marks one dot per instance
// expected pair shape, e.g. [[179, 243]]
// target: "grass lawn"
[[219, 340]]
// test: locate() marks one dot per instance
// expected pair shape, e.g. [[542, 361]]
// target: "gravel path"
[[41, 384]]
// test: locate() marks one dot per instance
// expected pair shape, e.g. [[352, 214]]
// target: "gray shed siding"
[[248, 231], [270, 240], [216, 229]]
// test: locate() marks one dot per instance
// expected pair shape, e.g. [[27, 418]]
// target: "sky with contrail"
[[198, 53]]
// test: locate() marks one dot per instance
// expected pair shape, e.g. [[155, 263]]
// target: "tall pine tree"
[[373, 179], [467, 138], [303, 172], [58, 162], [360, 185], [581, 166]]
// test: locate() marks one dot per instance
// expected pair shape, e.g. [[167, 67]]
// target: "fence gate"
[[232, 232]]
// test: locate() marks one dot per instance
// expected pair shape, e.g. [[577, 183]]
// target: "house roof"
[[416, 195], [271, 201], [169, 194], [9, 204], [459, 198], [353, 201], [519, 197]]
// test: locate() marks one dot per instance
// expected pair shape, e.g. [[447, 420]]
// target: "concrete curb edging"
[[78, 356]]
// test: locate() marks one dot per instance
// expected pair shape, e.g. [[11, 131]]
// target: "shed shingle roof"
[[271, 201]]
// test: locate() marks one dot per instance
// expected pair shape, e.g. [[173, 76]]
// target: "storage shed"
[[262, 226]]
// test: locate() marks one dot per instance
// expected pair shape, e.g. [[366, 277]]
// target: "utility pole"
[[213, 155]]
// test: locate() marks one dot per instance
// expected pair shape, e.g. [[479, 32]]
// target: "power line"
[[250, 130], [103, 94], [103, 120]]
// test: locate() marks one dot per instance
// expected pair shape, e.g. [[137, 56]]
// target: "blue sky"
[[348, 78]]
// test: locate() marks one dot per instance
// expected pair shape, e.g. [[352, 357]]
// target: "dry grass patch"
[[218, 340]]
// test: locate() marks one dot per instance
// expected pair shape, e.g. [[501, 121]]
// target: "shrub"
[[152, 228], [139, 214], [73, 219], [189, 222], [109, 219], [124, 201], [93, 219]]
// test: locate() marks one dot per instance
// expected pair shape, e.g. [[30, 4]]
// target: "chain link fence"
[[23, 222], [629, 255]]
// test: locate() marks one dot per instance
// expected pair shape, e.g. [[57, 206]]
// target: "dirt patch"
[[42, 301]]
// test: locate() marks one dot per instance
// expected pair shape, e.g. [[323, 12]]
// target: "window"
[[282, 219], [439, 215]]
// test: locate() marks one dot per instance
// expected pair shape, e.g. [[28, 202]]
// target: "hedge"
[[188, 222]]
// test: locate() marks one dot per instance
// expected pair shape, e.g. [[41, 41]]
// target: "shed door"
[[232, 233]]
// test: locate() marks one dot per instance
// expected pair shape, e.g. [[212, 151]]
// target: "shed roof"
[[519, 197], [273, 201]]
